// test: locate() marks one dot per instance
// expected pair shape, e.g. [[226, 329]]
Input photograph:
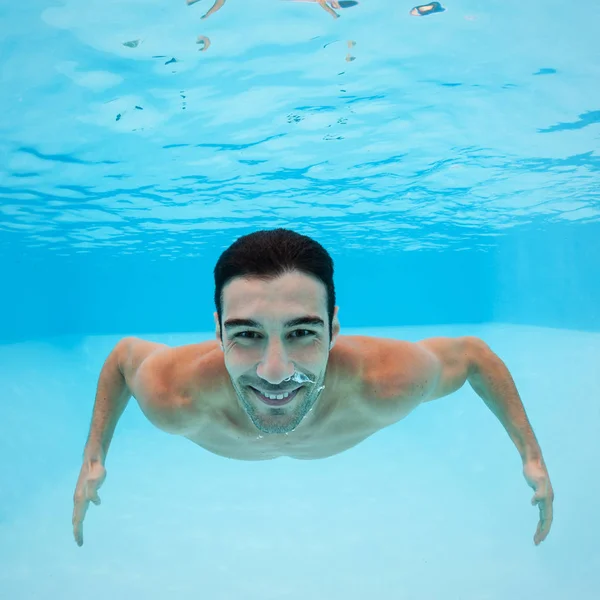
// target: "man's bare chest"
[[342, 419], [306, 443], [346, 423]]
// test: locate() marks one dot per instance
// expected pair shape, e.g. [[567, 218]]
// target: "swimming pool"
[[450, 165]]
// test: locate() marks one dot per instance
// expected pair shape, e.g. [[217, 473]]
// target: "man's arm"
[[491, 380], [112, 395], [469, 358]]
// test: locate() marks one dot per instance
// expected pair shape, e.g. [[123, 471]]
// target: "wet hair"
[[268, 254], [347, 3]]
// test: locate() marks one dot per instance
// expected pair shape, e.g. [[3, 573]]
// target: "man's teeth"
[[276, 396]]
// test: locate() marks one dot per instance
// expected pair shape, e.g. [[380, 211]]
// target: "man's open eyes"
[[253, 335]]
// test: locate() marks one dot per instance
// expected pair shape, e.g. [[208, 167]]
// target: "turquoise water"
[[450, 165], [433, 507]]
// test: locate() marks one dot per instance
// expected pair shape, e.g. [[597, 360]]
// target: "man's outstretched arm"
[[469, 358], [113, 392], [490, 378], [112, 396]]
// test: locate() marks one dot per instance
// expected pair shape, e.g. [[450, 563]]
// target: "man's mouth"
[[275, 399]]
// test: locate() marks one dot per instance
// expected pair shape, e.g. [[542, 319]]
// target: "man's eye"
[[247, 335], [304, 332], [252, 335]]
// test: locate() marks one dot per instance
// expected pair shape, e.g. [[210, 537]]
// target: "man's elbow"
[[478, 353], [122, 353]]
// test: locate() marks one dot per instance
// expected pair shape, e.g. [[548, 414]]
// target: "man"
[[280, 380]]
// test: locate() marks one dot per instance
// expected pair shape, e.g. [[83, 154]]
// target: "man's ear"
[[217, 325], [335, 327], [218, 329]]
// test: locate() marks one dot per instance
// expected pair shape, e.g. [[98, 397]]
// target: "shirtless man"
[[280, 380]]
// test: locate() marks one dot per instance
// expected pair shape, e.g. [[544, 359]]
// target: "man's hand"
[[537, 477], [91, 477]]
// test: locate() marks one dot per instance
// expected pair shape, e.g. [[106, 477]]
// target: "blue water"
[[433, 507], [451, 166]]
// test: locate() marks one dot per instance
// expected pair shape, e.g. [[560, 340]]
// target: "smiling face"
[[272, 329]]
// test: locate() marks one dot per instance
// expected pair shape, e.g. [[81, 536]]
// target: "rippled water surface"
[[136, 124]]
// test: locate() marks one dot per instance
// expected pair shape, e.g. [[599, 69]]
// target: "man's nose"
[[275, 365]]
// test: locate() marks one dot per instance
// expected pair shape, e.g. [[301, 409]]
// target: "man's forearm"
[[112, 396], [493, 382]]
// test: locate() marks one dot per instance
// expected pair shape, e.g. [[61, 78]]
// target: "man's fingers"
[[91, 477], [78, 515], [546, 516], [537, 536], [541, 533], [82, 503], [78, 534], [80, 508]]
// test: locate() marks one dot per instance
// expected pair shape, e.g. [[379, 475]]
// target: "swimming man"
[[280, 380]]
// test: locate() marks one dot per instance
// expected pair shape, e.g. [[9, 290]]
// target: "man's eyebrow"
[[306, 320]]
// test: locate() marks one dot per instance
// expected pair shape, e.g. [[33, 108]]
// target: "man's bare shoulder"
[[411, 371], [388, 368], [173, 372]]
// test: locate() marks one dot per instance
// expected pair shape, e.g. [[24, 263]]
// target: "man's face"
[[270, 330]]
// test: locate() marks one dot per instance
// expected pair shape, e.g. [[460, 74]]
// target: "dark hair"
[[267, 254]]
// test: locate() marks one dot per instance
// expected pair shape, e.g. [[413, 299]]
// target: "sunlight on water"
[[117, 125]]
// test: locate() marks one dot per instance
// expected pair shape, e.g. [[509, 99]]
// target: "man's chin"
[[279, 417], [275, 419], [275, 424]]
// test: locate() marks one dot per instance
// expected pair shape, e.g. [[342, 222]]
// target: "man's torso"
[[187, 391]]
